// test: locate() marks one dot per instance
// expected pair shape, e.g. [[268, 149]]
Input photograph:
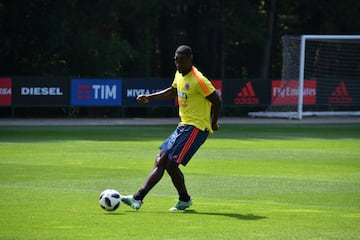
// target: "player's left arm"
[[215, 109]]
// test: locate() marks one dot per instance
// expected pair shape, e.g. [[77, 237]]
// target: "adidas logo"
[[340, 94], [246, 95]]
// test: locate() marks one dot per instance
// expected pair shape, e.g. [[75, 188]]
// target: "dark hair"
[[184, 50]]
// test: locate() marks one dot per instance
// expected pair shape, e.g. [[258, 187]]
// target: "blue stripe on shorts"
[[183, 143]]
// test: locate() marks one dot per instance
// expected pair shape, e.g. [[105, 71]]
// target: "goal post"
[[320, 77]]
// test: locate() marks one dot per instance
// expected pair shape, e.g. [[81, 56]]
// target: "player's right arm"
[[168, 93]]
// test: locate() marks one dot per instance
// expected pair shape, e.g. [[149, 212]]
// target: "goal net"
[[320, 77]]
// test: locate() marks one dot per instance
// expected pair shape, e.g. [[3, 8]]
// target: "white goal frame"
[[300, 113]]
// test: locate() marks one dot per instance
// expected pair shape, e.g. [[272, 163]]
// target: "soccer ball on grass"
[[110, 200]]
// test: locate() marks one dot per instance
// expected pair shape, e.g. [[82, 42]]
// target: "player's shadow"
[[248, 217]]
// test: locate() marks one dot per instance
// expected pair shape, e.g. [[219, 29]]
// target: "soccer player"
[[199, 110]]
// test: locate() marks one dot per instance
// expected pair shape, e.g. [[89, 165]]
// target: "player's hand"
[[215, 126], [142, 99]]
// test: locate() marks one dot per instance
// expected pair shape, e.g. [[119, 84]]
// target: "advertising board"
[[5, 91], [96, 92], [40, 91], [285, 92], [135, 87]]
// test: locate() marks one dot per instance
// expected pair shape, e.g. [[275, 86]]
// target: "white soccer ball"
[[110, 200]]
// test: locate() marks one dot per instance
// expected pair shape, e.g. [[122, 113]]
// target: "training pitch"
[[248, 181]]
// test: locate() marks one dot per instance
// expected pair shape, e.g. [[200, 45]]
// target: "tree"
[[230, 39], [269, 9]]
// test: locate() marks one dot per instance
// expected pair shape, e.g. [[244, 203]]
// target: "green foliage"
[[138, 38], [247, 182]]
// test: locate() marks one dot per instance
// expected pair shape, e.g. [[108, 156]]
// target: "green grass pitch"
[[247, 182]]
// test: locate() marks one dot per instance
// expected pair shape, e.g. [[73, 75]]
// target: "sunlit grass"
[[247, 182]]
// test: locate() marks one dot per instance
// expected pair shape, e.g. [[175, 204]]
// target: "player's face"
[[183, 63]]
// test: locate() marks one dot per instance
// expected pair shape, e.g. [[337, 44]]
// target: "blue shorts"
[[183, 143]]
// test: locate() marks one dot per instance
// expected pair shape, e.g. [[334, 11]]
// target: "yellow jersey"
[[194, 108]]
